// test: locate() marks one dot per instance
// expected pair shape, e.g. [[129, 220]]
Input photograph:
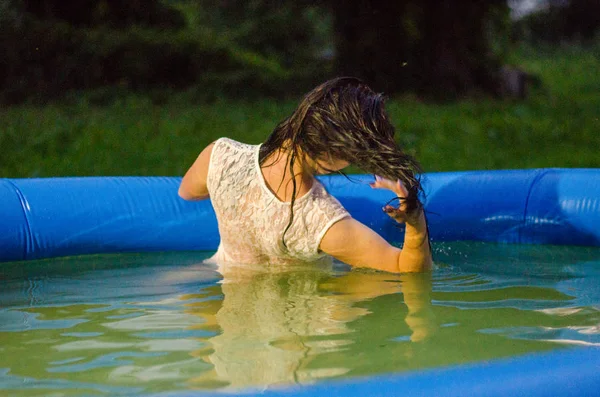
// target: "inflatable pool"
[[54, 217]]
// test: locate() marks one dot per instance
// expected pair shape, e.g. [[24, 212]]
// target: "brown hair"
[[344, 119]]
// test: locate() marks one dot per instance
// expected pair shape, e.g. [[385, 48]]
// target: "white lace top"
[[252, 219]]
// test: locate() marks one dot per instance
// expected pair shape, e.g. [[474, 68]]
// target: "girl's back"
[[251, 218]]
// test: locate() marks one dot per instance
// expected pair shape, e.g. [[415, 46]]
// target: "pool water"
[[150, 323]]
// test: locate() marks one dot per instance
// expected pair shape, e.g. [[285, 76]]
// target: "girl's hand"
[[399, 214]]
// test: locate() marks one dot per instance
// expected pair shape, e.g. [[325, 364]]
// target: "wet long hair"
[[344, 119]]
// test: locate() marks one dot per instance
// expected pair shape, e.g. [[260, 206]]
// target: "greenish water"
[[151, 323]]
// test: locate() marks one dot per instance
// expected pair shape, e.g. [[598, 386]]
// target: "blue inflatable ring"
[[51, 217]]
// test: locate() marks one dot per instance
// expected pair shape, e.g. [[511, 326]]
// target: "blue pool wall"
[[42, 218], [50, 217], [565, 373]]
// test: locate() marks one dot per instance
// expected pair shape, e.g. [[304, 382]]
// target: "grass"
[[558, 126]]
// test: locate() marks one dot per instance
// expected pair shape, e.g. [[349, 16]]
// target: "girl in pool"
[[271, 209]]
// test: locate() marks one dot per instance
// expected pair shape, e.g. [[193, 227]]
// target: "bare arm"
[[356, 244], [193, 185]]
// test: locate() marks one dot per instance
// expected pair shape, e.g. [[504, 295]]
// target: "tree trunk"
[[435, 47]]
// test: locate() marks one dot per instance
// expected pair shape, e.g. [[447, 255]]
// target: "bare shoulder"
[[207, 151], [203, 161], [194, 183]]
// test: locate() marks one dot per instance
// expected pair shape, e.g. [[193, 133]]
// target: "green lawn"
[[558, 126]]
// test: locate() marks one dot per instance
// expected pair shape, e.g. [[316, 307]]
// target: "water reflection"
[[149, 324], [272, 326]]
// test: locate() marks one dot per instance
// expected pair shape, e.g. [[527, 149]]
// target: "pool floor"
[[150, 323]]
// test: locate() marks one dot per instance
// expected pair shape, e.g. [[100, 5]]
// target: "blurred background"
[[139, 87]]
